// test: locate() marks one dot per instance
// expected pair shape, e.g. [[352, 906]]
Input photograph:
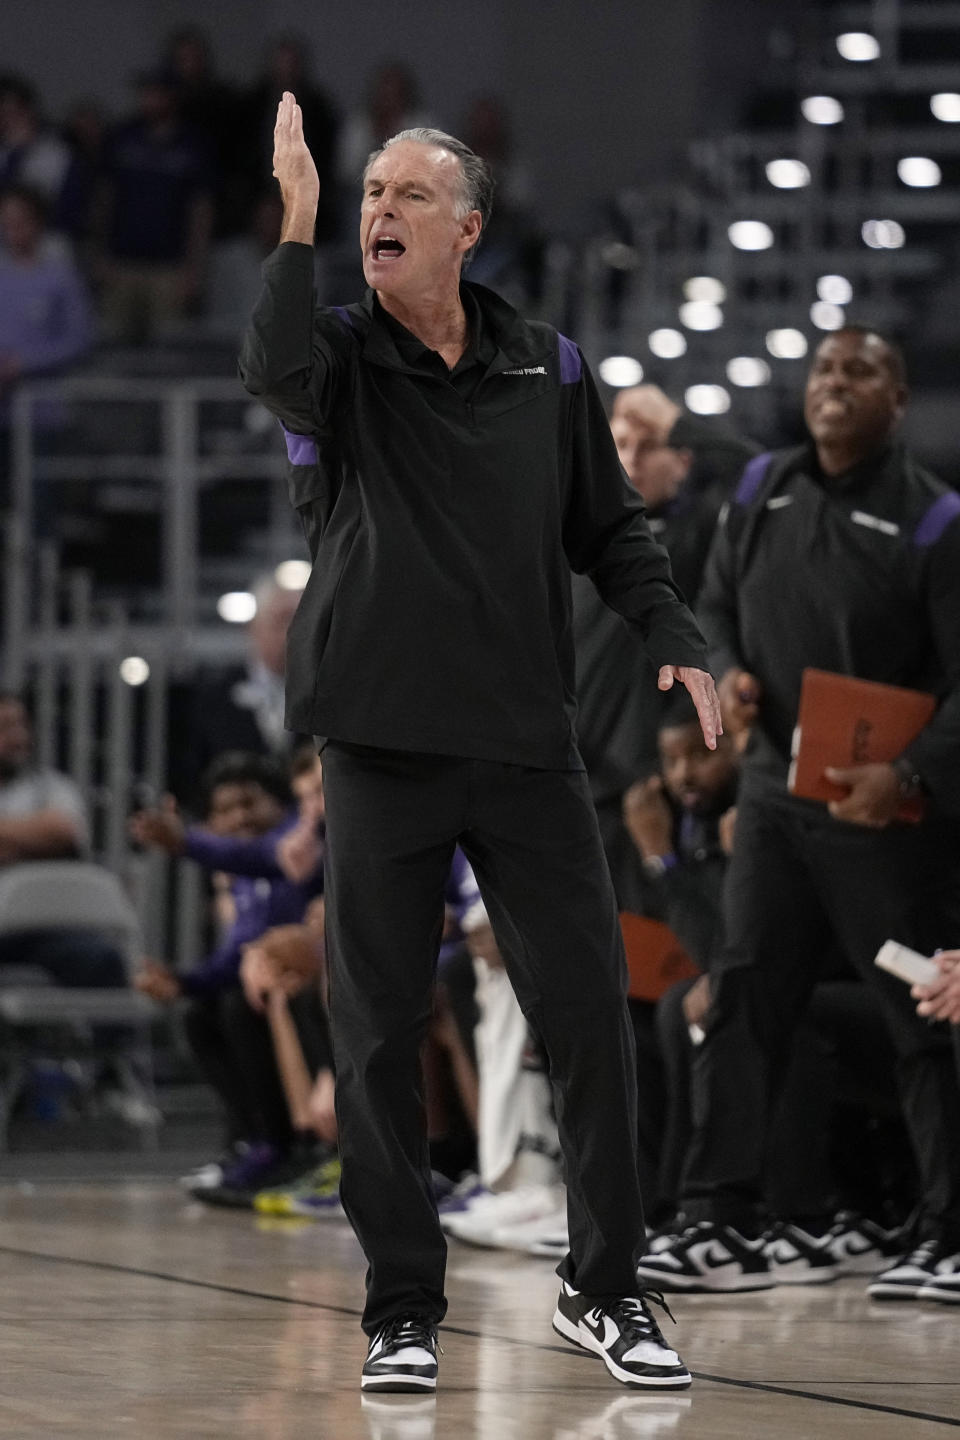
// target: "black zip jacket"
[[860, 575], [443, 519]]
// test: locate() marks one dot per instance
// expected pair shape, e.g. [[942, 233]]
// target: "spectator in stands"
[[512, 255], [287, 66], [46, 321], [156, 214], [241, 708], [30, 153], [85, 133], [248, 814], [43, 817], [876, 593], [392, 103], [235, 266], [681, 467], [211, 109]]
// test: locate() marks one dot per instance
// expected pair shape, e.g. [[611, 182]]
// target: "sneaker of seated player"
[[707, 1257], [860, 1246], [487, 1213], [463, 1195], [929, 1272], [625, 1336], [798, 1257], [402, 1357]]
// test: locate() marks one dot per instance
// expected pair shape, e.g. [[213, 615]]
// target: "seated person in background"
[[240, 707], [683, 826], [43, 817], [248, 814], [518, 1200], [680, 822], [284, 979], [683, 468]]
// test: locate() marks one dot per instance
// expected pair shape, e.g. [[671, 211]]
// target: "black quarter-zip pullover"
[[858, 574], [444, 512]]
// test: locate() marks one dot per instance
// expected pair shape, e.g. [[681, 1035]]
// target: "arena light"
[[748, 371], [134, 670], [292, 574], [237, 607], [788, 174], [750, 235], [883, 234], [836, 289], [826, 316], [919, 171], [858, 46], [821, 110], [946, 107], [706, 288], [787, 344], [701, 315], [707, 399], [620, 371], [667, 344]]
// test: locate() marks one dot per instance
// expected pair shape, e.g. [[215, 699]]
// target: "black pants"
[[233, 1047], [393, 820], [799, 881], [70, 957]]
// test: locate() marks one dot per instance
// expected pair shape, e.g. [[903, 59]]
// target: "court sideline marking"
[[569, 1350]]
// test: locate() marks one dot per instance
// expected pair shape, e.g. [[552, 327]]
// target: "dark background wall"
[[602, 94]]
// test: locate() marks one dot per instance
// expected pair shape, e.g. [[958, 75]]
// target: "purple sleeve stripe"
[[936, 520], [301, 449], [570, 364], [752, 478]]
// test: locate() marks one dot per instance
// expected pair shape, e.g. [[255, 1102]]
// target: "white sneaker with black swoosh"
[[707, 1257], [625, 1336], [402, 1357]]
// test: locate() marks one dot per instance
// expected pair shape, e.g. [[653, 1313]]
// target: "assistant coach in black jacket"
[[451, 464], [843, 555]]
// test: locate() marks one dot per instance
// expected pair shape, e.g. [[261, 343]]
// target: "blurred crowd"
[[132, 228]]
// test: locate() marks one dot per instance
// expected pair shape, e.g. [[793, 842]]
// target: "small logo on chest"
[[527, 370]]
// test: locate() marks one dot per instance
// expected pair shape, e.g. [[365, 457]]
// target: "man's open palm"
[[292, 162]]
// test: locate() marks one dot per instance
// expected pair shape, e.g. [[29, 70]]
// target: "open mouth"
[[386, 247]]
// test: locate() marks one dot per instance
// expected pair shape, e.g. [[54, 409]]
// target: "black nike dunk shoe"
[[625, 1336], [707, 1257], [402, 1357]]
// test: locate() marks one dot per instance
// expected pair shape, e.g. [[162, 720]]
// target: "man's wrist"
[[299, 221]]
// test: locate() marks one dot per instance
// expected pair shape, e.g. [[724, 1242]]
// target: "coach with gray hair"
[[452, 464]]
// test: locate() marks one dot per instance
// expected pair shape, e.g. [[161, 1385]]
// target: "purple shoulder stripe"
[[936, 520], [301, 449], [570, 364], [752, 478], [345, 316]]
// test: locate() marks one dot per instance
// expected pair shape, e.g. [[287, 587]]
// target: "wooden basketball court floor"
[[127, 1310]]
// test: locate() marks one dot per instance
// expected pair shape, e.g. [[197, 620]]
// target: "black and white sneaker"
[[860, 1246], [625, 1336], [707, 1257], [944, 1283], [796, 1257], [402, 1357], [909, 1277]]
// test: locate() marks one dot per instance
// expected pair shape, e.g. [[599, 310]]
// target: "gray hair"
[[476, 180]]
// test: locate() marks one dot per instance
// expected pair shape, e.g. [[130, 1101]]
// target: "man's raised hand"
[[294, 168]]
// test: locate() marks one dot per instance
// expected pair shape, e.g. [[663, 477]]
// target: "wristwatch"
[[656, 866], [911, 784]]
